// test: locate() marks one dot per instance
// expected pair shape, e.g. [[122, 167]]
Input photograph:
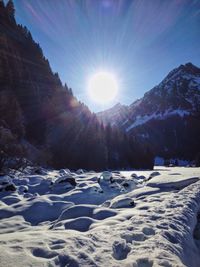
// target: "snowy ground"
[[139, 219]]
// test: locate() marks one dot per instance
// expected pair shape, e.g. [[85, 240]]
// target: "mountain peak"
[[187, 68], [190, 68], [118, 105]]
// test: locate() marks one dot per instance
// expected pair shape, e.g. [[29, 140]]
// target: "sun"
[[103, 87]]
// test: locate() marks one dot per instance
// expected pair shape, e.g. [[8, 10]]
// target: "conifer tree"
[[2, 4], [10, 8]]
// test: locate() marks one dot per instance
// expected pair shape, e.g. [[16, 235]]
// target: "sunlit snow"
[[64, 218]]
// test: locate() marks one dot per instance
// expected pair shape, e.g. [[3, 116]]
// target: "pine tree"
[[10, 8], [197, 161], [2, 4]]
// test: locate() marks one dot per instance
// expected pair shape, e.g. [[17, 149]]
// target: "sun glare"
[[103, 87]]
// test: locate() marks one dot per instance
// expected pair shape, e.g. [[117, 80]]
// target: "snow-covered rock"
[[66, 179], [22, 189], [80, 171], [10, 187], [128, 184], [153, 174], [134, 175], [5, 180], [40, 171], [105, 177], [64, 172], [122, 202], [6, 184]]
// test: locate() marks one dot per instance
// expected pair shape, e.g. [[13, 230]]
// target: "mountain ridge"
[[177, 99], [193, 70]]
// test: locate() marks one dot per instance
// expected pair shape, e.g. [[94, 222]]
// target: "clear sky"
[[139, 41]]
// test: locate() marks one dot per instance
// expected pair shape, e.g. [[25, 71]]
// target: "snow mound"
[[103, 213], [105, 177], [122, 202], [172, 181], [91, 211], [77, 211], [40, 210]]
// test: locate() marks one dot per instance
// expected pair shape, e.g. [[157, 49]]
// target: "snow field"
[[139, 219]]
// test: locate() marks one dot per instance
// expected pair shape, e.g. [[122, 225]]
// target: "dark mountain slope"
[[37, 109]]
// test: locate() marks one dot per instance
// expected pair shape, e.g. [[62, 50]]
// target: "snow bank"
[[172, 181]]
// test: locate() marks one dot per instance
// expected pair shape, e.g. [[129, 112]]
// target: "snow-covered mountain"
[[115, 115], [167, 115]]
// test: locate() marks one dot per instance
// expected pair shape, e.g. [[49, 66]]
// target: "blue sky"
[[139, 41]]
